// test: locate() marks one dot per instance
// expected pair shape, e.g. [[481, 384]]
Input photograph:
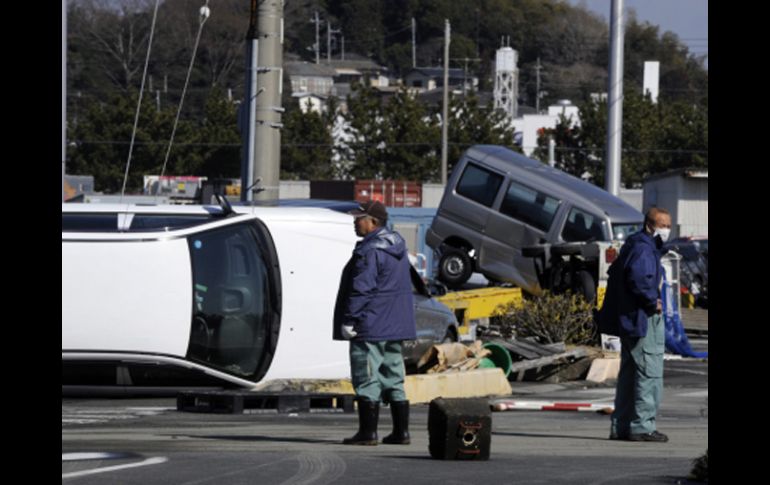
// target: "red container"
[[392, 193]]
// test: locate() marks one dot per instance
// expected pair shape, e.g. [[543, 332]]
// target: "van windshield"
[[235, 306], [622, 231]]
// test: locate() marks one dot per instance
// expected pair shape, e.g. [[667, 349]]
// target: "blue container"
[[413, 223]]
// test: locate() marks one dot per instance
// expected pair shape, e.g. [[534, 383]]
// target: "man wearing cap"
[[375, 311]]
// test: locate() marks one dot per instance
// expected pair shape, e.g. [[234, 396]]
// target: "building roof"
[[689, 173], [438, 72], [356, 63], [308, 69], [433, 96]]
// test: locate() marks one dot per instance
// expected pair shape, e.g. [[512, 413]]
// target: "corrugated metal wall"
[[693, 207], [685, 198]]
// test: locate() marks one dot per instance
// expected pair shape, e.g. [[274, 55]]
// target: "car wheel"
[[454, 267], [450, 337]]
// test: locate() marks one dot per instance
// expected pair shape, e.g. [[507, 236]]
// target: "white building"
[[685, 194], [529, 125]]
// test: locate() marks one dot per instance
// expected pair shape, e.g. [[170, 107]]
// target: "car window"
[[530, 206], [582, 226], [75, 222], [479, 184], [418, 285]]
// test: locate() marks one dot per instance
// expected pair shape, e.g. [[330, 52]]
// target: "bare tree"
[[112, 36]]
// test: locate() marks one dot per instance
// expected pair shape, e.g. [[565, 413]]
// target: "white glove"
[[348, 332]]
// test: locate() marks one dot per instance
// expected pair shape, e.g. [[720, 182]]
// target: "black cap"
[[371, 208]]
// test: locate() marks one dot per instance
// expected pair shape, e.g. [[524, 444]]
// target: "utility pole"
[[466, 60], [445, 115], [267, 136], [63, 93], [615, 101], [414, 43], [343, 47], [329, 32], [551, 151], [537, 88], [317, 45]]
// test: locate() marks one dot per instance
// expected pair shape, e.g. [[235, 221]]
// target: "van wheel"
[[586, 286], [454, 267]]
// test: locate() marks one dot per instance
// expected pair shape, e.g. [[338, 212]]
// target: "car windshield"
[[622, 231]]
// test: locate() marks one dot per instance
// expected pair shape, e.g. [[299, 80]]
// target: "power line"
[[375, 145]]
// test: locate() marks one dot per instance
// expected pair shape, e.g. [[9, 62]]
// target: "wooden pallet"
[[240, 402]]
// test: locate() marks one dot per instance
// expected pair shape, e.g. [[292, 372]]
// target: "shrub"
[[550, 318]]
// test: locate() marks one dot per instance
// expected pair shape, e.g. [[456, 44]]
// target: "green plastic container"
[[499, 358]]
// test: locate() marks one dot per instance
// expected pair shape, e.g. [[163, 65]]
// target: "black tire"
[[454, 267], [449, 337], [585, 285]]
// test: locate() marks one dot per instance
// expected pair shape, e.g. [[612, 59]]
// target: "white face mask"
[[662, 233]]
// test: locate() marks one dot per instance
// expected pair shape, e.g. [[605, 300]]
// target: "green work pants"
[[377, 370], [640, 381]]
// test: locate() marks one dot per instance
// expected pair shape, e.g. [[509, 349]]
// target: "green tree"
[[219, 141], [655, 138], [367, 130], [306, 146], [471, 124], [100, 140], [412, 139]]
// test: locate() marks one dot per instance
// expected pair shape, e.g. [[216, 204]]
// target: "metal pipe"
[[445, 116]]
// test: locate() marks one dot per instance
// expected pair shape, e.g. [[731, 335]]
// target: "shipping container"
[[392, 193]]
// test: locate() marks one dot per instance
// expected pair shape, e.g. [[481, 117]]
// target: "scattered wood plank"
[[518, 369]]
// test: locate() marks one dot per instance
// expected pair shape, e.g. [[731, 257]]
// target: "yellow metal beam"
[[479, 303]]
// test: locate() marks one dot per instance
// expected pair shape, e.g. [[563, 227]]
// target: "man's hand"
[[659, 307], [348, 332]]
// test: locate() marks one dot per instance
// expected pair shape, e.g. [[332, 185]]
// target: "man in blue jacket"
[[632, 310], [375, 311]]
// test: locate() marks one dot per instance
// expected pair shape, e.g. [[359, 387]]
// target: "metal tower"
[[506, 81]]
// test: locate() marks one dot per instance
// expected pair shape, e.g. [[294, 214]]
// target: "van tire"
[[454, 267], [586, 286]]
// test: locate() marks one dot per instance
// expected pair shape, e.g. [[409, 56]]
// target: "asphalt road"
[[146, 441]]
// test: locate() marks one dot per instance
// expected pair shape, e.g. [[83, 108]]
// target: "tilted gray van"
[[498, 201]]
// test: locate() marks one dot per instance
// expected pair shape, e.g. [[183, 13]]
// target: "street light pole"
[[445, 115]]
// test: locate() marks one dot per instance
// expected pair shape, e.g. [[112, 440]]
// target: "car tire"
[[454, 267]]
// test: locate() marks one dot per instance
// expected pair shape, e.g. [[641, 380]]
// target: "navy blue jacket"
[[375, 293], [633, 287]]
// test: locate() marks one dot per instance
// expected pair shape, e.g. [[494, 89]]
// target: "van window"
[[529, 206], [582, 226], [622, 231], [479, 185]]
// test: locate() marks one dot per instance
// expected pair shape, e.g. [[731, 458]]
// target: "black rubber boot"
[[399, 410], [368, 416]]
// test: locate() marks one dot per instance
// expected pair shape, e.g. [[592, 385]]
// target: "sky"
[[686, 18]]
